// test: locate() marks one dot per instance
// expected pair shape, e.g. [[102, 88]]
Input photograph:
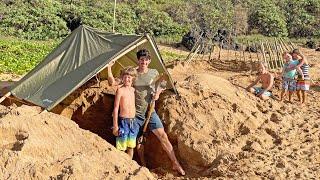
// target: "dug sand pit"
[[49, 146]]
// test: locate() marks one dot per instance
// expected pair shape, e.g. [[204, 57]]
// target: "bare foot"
[[178, 168]]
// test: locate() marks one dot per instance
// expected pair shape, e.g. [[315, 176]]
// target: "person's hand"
[[157, 95], [111, 63], [115, 131], [260, 93]]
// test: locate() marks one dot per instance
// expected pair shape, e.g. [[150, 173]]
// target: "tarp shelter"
[[82, 55]]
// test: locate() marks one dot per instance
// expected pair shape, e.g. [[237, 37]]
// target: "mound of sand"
[[49, 146], [222, 131]]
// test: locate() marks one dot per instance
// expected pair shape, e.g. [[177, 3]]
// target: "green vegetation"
[[168, 21], [20, 56], [42, 20], [169, 56]]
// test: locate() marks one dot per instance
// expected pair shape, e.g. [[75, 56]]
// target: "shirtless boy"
[[125, 126], [266, 79]]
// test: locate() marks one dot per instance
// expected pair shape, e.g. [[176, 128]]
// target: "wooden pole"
[[114, 15], [283, 48], [285, 45], [258, 58], [264, 54], [278, 62], [293, 46], [274, 55], [281, 51], [269, 54], [5, 96], [192, 55]]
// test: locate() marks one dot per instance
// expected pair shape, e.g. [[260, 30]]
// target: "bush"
[[303, 17], [20, 56], [267, 19], [32, 20]]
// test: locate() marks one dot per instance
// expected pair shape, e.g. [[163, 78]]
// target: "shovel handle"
[[150, 111]]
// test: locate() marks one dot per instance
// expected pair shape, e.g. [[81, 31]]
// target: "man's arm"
[[302, 61], [115, 113], [111, 79], [254, 83], [161, 84]]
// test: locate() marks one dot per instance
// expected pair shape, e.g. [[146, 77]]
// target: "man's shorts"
[[257, 90], [154, 123], [289, 84], [303, 84], [128, 131]]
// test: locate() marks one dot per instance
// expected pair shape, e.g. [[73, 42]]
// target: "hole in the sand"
[[94, 113]]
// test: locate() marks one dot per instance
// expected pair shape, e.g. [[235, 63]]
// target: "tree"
[[267, 19]]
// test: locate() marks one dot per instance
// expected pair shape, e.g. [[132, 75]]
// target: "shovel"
[[161, 85]]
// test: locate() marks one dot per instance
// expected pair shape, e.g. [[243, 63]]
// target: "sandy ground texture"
[[224, 132], [218, 130], [49, 146]]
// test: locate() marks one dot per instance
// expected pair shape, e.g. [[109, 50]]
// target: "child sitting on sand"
[[288, 76], [266, 79], [125, 127]]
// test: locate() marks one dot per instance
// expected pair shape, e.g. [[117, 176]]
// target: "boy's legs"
[[282, 95], [285, 87], [167, 147], [299, 96], [130, 152], [304, 96], [291, 88], [140, 150], [157, 128], [133, 128], [121, 140], [140, 145], [290, 96]]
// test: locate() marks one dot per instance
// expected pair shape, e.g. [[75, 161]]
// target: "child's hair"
[[129, 71], [263, 63], [287, 54], [143, 53], [295, 51]]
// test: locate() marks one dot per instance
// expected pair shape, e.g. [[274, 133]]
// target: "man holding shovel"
[[144, 95]]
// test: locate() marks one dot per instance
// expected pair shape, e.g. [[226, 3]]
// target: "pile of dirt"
[[220, 130], [38, 145]]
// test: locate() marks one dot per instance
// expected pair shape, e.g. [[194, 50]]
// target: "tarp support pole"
[[5, 96]]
